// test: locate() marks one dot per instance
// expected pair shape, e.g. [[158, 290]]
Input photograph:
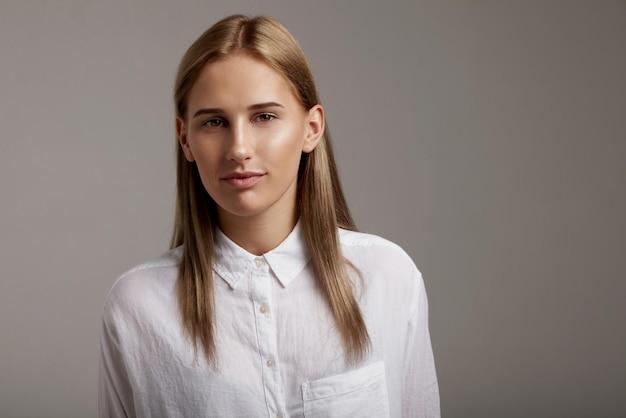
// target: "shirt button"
[[263, 309], [269, 363], [259, 262], [279, 416]]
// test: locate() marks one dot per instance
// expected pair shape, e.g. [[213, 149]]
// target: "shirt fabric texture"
[[279, 352]]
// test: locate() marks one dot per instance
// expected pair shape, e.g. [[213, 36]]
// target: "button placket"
[[261, 288]]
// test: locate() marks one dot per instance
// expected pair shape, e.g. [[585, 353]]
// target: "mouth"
[[242, 180]]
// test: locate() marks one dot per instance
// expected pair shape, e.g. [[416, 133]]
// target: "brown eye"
[[214, 123], [265, 117]]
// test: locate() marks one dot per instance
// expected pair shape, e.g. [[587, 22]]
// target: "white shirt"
[[279, 352]]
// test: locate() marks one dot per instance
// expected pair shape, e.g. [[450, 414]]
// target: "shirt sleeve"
[[115, 398], [420, 397]]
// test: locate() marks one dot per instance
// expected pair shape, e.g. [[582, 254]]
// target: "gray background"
[[486, 137]]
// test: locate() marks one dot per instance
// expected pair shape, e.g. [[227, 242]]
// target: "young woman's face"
[[246, 131]]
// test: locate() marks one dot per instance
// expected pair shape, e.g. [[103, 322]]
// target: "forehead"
[[239, 81]]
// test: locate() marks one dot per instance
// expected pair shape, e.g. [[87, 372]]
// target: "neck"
[[258, 234]]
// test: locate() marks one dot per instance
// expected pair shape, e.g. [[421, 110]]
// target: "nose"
[[241, 146]]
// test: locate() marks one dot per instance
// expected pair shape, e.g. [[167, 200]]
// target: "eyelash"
[[263, 117], [209, 123]]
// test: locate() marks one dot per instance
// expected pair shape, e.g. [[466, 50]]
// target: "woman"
[[269, 303]]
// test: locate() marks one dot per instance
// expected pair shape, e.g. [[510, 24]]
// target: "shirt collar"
[[232, 263]]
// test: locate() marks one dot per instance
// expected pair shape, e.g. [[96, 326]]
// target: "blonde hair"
[[320, 200]]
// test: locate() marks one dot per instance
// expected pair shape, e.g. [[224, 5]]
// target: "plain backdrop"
[[487, 138]]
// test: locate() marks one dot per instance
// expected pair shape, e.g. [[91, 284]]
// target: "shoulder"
[[362, 239], [362, 246], [143, 283], [379, 259], [388, 273]]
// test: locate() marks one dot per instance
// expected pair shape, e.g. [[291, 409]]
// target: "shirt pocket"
[[358, 393]]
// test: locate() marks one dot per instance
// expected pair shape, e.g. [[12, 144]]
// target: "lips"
[[242, 180]]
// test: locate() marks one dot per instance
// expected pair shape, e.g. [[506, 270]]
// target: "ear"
[[315, 126], [181, 133]]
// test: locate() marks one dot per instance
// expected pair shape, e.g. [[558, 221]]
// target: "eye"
[[265, 117], [214, 123]]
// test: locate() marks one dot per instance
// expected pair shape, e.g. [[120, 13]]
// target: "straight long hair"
[[320, 199]]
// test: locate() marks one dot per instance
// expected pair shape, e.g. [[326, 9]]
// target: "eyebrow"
[[213, 110]]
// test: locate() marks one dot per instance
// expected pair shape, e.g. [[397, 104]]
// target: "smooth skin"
[[246, 130]]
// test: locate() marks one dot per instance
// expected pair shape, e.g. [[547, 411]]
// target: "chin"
[[242, 210]]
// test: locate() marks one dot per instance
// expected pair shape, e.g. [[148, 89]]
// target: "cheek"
[[209, 178], [285, 161], [204, 151], [288, 144], [207, 166]]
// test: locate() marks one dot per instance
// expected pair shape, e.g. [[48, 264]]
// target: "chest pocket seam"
[[333, 394]]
